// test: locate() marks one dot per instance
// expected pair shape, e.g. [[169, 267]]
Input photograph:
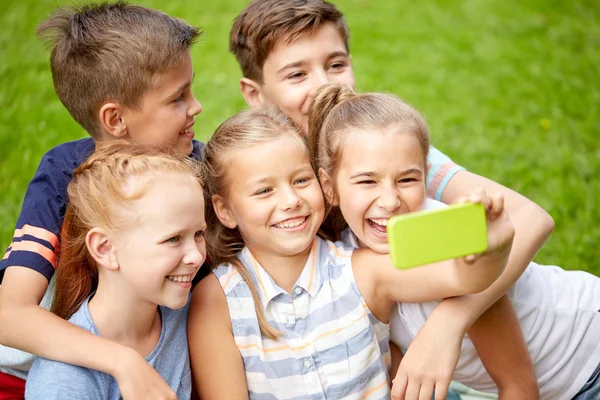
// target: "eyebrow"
[[297, 64], [300, 170], [372, 174]]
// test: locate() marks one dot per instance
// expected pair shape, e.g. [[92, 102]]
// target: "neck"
[[125, 318], [284, 269]]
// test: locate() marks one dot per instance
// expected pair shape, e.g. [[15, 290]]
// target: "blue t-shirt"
[[35, 242], [50, 380]]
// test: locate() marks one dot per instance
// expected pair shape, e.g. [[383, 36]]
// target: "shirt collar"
[[310, 279]]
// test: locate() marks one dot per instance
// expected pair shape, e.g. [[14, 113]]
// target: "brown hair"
[[263, 23], [100, 195], [109, 52], [334, 111], [242, 130]]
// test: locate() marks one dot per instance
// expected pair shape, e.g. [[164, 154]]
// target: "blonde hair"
[[335, 110], [101, 195], [240, 131]]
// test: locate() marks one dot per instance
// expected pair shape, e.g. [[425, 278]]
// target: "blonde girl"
[[286, 314], [371, 151], [131, 244]]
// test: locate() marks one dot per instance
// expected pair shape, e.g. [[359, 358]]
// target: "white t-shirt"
[[558, 314]]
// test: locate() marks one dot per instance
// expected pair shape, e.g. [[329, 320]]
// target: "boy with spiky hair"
[[287, 49], [122, 71]]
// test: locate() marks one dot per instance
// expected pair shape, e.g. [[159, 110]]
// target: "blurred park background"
[[511, 91]]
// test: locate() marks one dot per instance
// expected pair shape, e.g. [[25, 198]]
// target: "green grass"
[[510, 89]]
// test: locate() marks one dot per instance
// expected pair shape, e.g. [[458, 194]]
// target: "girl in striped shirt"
[[286, 314], [378, 173]]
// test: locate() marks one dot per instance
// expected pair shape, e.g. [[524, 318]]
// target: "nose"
[[195, 253], [319, 78], [195, 107], [389, 200], [290, 200]]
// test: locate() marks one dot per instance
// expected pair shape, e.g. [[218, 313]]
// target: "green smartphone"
[[427, 236]]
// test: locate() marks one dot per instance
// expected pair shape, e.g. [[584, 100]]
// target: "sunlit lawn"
[[510, 89]]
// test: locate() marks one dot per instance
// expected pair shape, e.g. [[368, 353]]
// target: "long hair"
[[101, 195], [240, 131]]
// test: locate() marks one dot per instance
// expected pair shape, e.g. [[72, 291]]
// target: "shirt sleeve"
[[35, 242], [52, 380], [441, 170]]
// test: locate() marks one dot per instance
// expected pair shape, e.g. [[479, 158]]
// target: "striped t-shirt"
[[328, 348]]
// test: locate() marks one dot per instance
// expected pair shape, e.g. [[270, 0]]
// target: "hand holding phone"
[[429, 236]]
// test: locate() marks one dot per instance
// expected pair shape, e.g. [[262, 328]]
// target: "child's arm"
[[379, 280], [432, 356], [217, 365], [454, 317], [499, 341], [31, 328], [24, 273]]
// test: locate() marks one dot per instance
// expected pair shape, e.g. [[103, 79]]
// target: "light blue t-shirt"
[[441, 170], [50, 380]]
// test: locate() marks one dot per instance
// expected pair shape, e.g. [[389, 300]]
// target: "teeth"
[[291, 223], [180, 278], [379, 221], [188, 130]]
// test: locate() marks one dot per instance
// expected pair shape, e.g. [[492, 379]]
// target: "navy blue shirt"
[[35, 242]]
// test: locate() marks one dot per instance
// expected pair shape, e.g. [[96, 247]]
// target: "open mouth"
[[379, 225], [292, 223], [180, 278], [187, 132]]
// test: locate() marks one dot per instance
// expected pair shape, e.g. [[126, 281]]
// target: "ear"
[[327, 185], [252, 93], [111, 120], [100, 247], [223, 211]]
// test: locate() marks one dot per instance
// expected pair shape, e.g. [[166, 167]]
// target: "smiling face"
[[167, 111], [163, 247], [382, 173], [294, 71], [273, 198]]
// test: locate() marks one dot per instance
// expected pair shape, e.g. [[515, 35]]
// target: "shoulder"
[[69, 155], [55, 380], [208, 299], [56, 167]]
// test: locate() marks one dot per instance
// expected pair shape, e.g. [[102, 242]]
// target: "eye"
[[174, 239], [407, 180], [178, 99], [199, 234], [262, 192], [336, 66], [302, 181], [296, 75], [366, 182]]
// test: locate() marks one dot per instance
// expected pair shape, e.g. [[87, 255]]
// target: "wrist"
[[124, 358]]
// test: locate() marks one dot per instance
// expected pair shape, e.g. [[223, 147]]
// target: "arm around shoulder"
[[52, 380], [217, 365]]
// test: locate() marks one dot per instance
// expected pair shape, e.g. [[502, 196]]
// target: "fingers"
[[399, 386], [441, 389], [413, 390], [497, 206], [426, 392]]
